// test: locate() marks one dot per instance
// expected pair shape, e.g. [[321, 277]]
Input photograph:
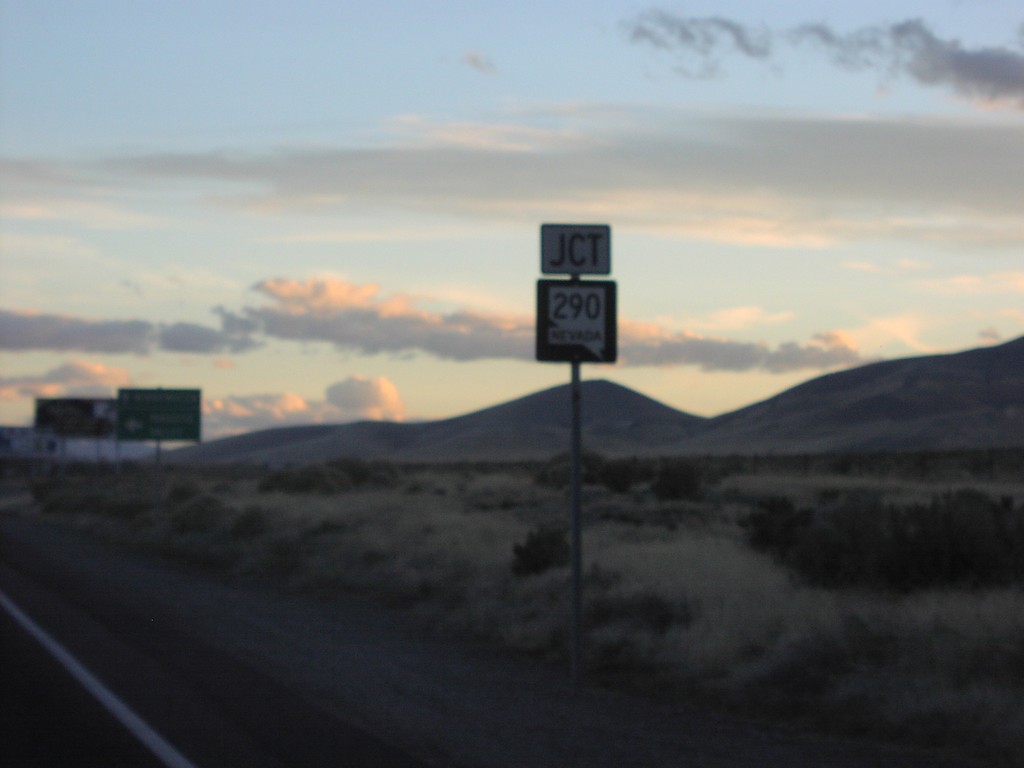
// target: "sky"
[[320, 212]]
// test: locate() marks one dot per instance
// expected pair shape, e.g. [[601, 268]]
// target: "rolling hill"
[[621, 421], [969, 400]]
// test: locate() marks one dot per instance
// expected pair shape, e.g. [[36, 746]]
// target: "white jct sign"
[[575, 249]]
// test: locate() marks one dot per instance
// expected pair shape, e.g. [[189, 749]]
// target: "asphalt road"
[[49, 720], [211, 708]]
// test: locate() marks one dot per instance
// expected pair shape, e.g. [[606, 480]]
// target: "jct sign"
[[576, 321], [575, 249]]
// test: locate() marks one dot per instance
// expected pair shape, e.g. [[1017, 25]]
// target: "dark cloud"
[[479, 62], [705, 37], [199, 339], [908, 48], [912, 49], [710, 354], [28, 331]]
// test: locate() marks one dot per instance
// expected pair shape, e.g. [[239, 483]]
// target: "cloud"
[[33, 331], [703, 37], [773, 180], [77, 378], [912, 49], [641, 344], [199, 339], [479, 62], [22, 331], [473, 136], [361, 398], [361, 318], [737, 318], [994, 283], [989, 335], [358, 317], [355, 399], [89, 215], [908, 48], [896, 267], [906, 329]]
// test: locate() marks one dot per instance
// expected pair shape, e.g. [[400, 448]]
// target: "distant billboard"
[[76, 416]]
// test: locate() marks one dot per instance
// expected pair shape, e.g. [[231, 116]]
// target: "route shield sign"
[[158, 414], [575, 249], [576, 321]]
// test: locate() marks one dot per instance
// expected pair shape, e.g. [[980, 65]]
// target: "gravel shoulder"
[[452, 703]]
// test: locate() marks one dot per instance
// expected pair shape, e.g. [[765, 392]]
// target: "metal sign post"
[[576, 525], [576, 323]]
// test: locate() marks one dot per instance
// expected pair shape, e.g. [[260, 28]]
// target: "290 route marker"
[[576, 321]]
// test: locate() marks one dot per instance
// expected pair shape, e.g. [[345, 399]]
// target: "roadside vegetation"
[[875, 596]]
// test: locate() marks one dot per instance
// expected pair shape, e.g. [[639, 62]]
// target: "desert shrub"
[[331, 477], [677, 479], [123, 501], [645, 610], [619, 475], [200, 513], [556, 472], [56, 496], [499, 491], [252, 522], [41, 489], [127, 506], [183, 490], [776, 525], [545, 547], [380, 474], [963, 538], [280, 557], [960, 539], [623, 631], [311, 478]]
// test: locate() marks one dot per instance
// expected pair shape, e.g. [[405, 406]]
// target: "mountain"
[[537, 426], [967, 400], [972, 399]]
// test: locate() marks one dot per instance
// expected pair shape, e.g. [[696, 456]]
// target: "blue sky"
[[330, 211]]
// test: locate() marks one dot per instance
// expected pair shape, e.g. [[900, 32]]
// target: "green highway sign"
[[158, 414]]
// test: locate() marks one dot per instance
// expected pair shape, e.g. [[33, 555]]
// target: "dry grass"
[[676, 600]]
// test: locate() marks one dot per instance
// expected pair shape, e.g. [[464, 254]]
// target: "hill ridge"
[[968, 399]]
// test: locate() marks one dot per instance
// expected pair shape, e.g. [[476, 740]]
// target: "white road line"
[[139, 728]]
